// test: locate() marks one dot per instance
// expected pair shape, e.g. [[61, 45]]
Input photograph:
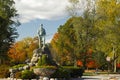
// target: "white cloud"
[[41, 9]]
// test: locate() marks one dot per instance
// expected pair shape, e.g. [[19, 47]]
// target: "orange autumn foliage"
[[90, 64], [79, 63], [22, 50], [89, 52], [118, 65]]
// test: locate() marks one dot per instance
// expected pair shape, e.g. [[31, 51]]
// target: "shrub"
[[47, 67], [61, 73], [74, 71], [19, 65], [18, 74], [4, 71], [67, 72], [45, 60], [27, 74]]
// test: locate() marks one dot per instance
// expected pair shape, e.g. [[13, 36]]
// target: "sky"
[[32, 13]]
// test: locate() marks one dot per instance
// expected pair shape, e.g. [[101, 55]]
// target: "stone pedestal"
[[44, 73]]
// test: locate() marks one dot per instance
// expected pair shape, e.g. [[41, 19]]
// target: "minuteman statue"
[[41, 36]]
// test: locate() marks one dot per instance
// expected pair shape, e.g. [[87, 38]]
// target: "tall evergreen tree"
[[8, 32]]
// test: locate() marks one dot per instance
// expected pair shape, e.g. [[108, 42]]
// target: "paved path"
[[100, 77]]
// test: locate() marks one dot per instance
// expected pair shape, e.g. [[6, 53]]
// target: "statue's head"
[[41, 25]]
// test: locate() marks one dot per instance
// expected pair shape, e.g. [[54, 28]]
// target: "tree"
[[99, 58], [84, 28], [22, 50], [74, 7], [54, 48], [8, 31], [64, 43], [97, 29], [100, 24], [108, 23], [76, 36], [74, 39]]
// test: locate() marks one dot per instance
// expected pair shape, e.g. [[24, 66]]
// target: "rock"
[[31, 64], [56, 78], [34, 59], [20, 68], [52, 79], [26, 67], [45, 78], [10, 70], [13, 70]]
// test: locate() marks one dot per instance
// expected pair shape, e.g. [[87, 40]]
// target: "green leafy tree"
[[8, 25], [108, 23], [85, 30], [97, 29], [64, 43], [99, 58], [101, 26], [75, 39]]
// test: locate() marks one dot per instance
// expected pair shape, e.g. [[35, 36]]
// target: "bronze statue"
[[41, 36]]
